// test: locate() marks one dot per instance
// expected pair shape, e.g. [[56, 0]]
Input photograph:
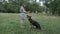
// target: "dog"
[[33, 22]]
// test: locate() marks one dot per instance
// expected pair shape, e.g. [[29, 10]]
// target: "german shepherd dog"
[[33, 22]]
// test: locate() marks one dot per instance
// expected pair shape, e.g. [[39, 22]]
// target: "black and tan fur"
[[33, 22]]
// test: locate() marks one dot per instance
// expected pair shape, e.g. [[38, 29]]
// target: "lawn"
[[10, 24]]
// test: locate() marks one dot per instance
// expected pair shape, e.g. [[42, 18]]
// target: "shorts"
[[22, 16]]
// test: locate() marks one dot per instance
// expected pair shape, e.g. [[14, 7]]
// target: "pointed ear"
[[30, 16], [27, 15]]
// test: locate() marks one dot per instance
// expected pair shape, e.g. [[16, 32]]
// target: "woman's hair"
[[24, 5]]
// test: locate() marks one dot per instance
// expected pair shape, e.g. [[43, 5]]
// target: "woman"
[[22, 15]]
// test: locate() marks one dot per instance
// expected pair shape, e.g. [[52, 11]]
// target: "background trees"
[[51, 6], [54, 7]]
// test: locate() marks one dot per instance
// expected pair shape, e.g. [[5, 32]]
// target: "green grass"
[[10, 24]]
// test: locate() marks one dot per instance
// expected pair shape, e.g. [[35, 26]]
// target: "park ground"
[[10, 24]]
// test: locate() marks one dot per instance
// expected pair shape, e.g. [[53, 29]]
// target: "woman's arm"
[[23, 9]]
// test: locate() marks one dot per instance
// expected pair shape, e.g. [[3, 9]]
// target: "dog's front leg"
[[30, 26]]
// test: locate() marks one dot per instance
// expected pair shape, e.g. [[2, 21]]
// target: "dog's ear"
[[27, 15], [30, 16]]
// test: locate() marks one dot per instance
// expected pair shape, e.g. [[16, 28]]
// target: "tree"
[[54, 7], [14, 6]]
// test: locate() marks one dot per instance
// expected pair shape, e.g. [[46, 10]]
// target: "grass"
[[10, 24]]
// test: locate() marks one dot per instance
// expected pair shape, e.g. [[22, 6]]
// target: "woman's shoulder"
[[21, 7]]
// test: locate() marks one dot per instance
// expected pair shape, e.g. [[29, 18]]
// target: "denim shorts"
[[22, 16]]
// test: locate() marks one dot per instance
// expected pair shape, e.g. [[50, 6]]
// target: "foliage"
[[14, 6], [54, 7]]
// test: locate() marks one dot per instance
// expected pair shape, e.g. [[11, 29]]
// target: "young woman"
[[22, 15]]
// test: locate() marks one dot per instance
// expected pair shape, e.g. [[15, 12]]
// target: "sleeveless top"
[[21, 10]]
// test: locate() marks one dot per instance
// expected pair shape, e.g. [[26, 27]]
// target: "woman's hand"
[[26, 12]]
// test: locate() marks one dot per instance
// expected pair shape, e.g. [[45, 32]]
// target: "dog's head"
[[29, 17]]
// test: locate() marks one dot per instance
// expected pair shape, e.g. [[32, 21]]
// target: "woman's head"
[[24, 5]]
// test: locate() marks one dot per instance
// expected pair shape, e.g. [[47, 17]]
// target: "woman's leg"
[[22, 20], [22, 23]]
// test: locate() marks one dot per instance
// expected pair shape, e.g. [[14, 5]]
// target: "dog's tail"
[[38, 27]]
